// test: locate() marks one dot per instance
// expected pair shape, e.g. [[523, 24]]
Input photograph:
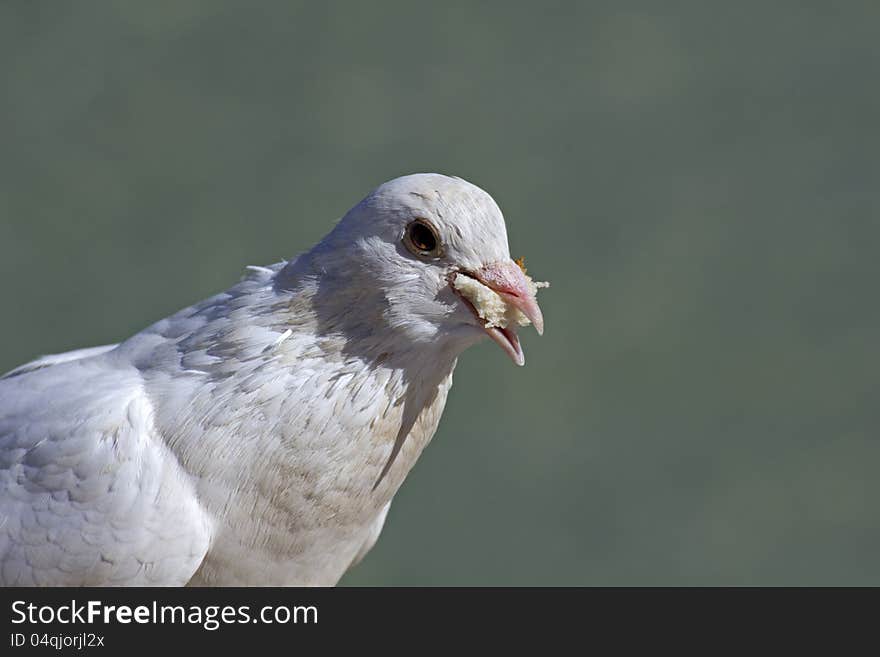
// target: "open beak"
[[509, 281]]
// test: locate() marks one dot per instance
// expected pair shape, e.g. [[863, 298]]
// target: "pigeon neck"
[[358, 319]]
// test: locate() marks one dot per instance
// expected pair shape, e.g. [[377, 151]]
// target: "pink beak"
[[510, 283]]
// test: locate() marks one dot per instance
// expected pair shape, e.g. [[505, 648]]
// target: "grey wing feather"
[[89, 493], [57, 359]]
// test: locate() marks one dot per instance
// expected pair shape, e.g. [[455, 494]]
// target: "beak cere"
[[510, 283]]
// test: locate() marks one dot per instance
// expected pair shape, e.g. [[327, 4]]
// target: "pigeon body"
[[257, 437]]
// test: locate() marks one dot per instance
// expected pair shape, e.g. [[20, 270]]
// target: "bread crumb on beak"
[[490, 306]]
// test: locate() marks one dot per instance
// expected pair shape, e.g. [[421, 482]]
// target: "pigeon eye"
[[421, 238]]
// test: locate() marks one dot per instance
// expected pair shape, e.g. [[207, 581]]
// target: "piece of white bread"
[[490, 306]]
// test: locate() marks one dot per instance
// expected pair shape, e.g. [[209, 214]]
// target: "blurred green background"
[[699, 181]]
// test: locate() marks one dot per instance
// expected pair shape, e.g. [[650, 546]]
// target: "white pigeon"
[[257, 438]]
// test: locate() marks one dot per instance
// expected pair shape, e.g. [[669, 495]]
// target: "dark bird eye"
[[421, 238]]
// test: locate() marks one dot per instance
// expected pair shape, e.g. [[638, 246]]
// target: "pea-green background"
[[699, 181]]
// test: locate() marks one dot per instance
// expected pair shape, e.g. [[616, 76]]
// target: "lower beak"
[[508, 340]]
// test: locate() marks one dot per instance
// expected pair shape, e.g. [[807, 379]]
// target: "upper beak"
[[509, 281], [511, 284]]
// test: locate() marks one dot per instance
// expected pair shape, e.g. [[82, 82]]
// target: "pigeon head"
[[426, 255]]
